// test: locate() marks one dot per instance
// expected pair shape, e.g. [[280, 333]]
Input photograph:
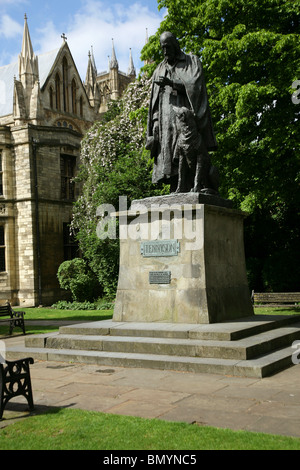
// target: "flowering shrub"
[[114, 163]]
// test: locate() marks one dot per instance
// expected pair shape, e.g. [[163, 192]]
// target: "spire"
[[28, 62], [91, 84], [147, 61], [131, 68], [27, 93], [113, 62], [93, 61], [27, 48], [91, 72]]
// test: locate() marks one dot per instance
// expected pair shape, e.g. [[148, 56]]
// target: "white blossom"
[[103, 143]]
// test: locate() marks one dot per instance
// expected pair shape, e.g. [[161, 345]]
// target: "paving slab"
[[269, 405]]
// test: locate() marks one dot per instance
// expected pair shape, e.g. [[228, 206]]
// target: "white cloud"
[[9, 28], [95, 24]]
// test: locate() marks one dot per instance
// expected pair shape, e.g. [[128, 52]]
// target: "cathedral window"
[[65, 124], [67, 168], [65, 85], [81, 106], [74, 104], [2, 249], [51, 97], [57, 92], [70, 244], [1, 174]]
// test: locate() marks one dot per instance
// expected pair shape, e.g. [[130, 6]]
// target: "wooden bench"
[[276, 298], [7, 314], [15, 381]]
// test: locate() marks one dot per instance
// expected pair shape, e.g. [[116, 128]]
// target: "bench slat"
[[15, 319], [276, 297], [5, 311]]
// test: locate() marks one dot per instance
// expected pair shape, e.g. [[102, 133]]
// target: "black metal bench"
[[14, 318], [15, 381], [276, 298]]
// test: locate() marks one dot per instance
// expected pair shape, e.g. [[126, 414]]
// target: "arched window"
[[2, 248], [74, 104], [81, 106], [65, 85], [1, 173], [51, 97], [57, 92]]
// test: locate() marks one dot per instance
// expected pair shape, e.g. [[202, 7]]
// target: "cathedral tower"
[[27, 100]]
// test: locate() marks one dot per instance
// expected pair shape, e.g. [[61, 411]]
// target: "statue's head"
[[170, 46]]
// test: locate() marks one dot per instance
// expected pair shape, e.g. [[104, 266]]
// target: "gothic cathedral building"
[[45, 109]]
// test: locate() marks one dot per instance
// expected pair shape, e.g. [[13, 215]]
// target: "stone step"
[[253, 347], [246, 348], [226, 331], [260, 367]]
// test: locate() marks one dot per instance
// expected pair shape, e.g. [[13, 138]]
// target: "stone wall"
[[34, 255]]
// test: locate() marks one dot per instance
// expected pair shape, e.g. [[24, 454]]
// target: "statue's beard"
[[170, 59]]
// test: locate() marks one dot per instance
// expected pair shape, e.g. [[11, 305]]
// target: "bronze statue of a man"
[[180, 131]]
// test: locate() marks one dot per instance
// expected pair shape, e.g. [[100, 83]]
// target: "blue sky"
[[86, 23]]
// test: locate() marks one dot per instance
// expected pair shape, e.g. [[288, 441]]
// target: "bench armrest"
[[17, 314], [27, 360]]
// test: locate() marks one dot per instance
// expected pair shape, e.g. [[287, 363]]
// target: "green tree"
[[75, 276], [250, 51]]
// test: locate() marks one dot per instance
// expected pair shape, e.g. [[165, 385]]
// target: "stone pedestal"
[[181, 263]]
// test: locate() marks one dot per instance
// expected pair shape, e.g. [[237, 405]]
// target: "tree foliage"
[[75, 276], [250, 51]]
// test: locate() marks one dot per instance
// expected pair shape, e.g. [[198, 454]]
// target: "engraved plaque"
[[160, 248], [160, 277]]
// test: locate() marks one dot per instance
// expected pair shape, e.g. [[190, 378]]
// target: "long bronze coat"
[[188, 90]]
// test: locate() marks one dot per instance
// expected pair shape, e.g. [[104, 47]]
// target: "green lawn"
[[44, 314], [77, 429], [73, 315], [276, 311], [72, 429]]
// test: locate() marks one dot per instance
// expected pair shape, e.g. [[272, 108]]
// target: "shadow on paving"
[[16, 411]]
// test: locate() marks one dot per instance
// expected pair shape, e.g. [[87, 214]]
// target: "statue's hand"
[[156, 131], [163, 81]]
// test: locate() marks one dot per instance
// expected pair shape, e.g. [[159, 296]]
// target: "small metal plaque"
[[160, 277], [160, 248]]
